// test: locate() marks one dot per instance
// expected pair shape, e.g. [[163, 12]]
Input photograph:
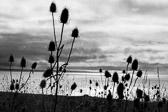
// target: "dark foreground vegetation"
[[34, 103]]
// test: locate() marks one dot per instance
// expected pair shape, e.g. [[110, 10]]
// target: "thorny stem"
[[54, 29], [126, 96], [61, 35], [50, 77], [20, 76], [11, 71], [27, 79], [70, 50], [159, 82], [56, 87], [131, 79], [101, 79], [134, 84], [113, 88]]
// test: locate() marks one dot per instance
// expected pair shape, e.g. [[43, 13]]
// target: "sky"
[[110, 31]]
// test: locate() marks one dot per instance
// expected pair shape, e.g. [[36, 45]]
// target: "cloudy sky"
[[110, 31]]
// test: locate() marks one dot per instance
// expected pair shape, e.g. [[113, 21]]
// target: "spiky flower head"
[[107, 74], [64, 16], [17, 86], [105, 87], [139, 73], [34, 65], [75, 33], [48, 73], [123, 72], [53, 8], [90, 81], [51, 59], [43, 84], [12, 87], [135, 64], [97, 84], [51, 46], [115, 77], [81, 90], [11, 58], [129, 59], [127, 77], [120, 90], [73, 86], [23, 62], [100, 70], [139, 93]]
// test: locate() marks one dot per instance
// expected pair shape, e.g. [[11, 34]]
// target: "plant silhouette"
[[56, 71]]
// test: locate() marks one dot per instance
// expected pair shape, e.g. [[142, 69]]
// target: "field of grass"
[[34, 103]]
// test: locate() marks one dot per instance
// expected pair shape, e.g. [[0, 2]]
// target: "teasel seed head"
[[97, 84], [11, 58], [129, 59], [64, 16], [115, 77], [73, 86], [17, 86], [43, 84], [120, 90], [51, 46], [127, 77], [75, 33], [100, 70], [34, 65], [23, 62], [139, 73], [90, 81], [48, 73], [53, 8], [12, 87], [51, 59], [139, 93], [135, 64], [107, 74]]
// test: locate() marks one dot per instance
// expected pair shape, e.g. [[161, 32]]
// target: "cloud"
[[110, 31]]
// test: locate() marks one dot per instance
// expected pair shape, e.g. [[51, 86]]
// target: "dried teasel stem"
[[131, 78], [70, 51], [26, 80], [54, 30], [134, 84], [158, 78], [61, 35], [20, 75]]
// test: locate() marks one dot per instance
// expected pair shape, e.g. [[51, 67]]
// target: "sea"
[[82, 80]]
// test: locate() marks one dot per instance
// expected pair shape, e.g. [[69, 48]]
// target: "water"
[[81, 79]]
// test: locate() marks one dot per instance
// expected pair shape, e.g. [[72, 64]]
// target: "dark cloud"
[[34, 48], [20, 44]]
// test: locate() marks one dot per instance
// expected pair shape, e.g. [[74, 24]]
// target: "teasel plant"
[[11, 60], [115, 80], [56, 70], [139, 74], [100, 71], [134, 68], [16, 85]]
